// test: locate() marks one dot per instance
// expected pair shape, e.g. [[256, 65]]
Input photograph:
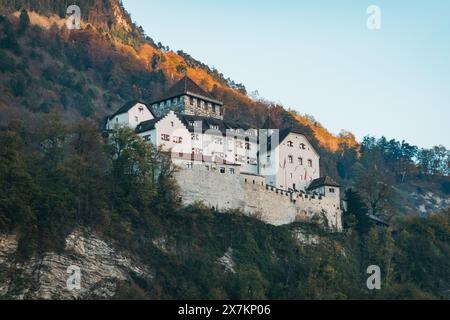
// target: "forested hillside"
[[58, 177], [57, 174]]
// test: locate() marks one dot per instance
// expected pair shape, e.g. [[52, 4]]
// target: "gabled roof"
[[378, 220], [284, 133], [324, 181], [130, 104], [147, 125], [186, 86]]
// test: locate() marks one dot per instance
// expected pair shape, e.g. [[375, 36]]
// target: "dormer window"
[[214, 127]]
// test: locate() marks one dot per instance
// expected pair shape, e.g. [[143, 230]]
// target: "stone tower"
[[187, 97]]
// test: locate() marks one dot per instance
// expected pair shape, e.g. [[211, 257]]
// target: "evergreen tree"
[[24, 22], [357, 208]]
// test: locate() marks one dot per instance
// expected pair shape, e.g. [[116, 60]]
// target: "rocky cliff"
[[101, 268]]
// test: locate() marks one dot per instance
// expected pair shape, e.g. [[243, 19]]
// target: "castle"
[[268, 173]]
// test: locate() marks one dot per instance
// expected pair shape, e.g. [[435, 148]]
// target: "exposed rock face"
[[227, 261], [304, 238], [107, 14], [54, 276]]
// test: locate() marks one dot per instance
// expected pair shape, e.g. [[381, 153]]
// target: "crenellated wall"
[[250, 194]]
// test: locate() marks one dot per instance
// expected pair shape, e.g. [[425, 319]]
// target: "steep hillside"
[[143, 68], [91, 72]]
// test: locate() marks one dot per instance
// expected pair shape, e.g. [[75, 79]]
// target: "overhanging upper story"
[[186, 97]]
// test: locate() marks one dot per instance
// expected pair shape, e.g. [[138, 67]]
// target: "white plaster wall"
[[129, 118], [118, 120], [140, 112], [283, 174], [173, 127]]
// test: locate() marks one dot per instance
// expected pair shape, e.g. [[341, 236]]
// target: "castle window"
[[171, 123], [165, 137], [141, 109], [290, 175], [232, 170], [194, 137], [191, 100], [215, 127], [207, 168], [213, 108], [207, 105], [147, 138], [302, 146], [331, 190], [310, 163], [300, 161], [222, 170], [290, 144], [189, 165], [247, 146], [290, 159], [178, 139]]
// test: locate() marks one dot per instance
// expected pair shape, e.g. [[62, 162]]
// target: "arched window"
[[290, 144]]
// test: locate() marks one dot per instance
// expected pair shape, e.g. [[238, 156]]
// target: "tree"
[[434, 161], [24, 22], [357, 208], [7, 37]]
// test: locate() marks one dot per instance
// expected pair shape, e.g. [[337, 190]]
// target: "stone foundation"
[[250, 194]]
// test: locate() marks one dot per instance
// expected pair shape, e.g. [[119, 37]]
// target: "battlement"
[[223, 190]]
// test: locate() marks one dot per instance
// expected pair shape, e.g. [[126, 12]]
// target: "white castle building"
[[269, 173]]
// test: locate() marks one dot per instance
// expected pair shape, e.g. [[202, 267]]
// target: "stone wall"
[[202, 108], [182, 104], [250, 194]]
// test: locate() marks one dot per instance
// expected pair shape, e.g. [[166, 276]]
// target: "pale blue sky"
[[319, 58]]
